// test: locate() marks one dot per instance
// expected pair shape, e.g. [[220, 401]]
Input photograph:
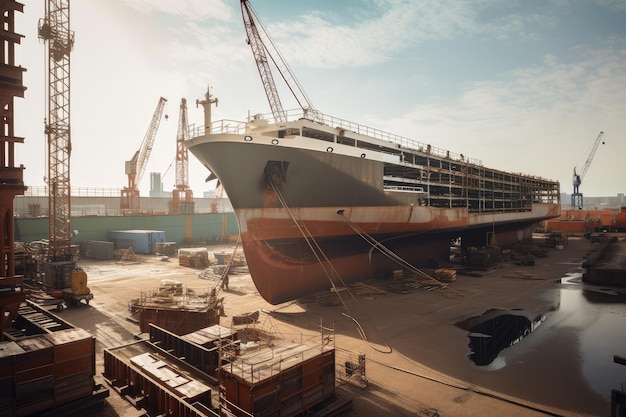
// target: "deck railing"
[[239, 127]]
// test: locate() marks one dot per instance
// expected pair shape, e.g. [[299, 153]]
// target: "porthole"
[[247, 138], [274, 141], [362, 155], [329, 149]]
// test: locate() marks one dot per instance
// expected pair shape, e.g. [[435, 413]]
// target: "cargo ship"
[[322, 202]]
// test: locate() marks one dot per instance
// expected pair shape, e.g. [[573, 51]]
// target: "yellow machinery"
[[62, 278], [65, 280]]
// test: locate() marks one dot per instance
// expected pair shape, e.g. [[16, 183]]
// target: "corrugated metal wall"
[[205, 228]]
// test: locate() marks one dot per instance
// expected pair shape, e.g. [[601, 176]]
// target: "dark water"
[[599, 315], [596, 315]]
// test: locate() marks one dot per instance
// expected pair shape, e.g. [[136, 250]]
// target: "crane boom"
[[577, 197], [590, 157], [262, 47], [136, 167]]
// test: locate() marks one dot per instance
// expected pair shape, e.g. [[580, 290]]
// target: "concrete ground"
[[417, 361]]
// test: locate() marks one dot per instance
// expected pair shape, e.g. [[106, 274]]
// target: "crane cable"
[[389, 253], [309, 238]]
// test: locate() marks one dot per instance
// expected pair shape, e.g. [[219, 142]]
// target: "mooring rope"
[[308, 237], [389, 253]]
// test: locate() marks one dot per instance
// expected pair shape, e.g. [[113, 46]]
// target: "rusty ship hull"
[[320, 205]]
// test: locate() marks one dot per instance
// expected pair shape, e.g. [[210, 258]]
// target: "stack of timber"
[[47, 366], [445, 275], [166, 248]]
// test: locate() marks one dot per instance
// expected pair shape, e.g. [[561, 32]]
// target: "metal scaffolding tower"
[[182, 195], [54, 30], [11, 176]]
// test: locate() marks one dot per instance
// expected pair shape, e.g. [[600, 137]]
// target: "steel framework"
[[11, 176], [182, 195], [54, 30], [262, 48]]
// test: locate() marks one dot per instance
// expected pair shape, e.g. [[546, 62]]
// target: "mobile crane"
[[577, 196], [136, 167]]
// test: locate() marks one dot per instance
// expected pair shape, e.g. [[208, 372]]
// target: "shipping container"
[[97, 249], [142, 241]]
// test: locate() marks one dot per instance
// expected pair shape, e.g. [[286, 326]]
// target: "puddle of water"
[[496, 330], [597, 315]]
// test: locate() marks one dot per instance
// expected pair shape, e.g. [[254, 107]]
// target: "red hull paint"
[[280, 276]]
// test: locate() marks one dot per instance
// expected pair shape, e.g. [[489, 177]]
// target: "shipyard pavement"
[[416, 356]]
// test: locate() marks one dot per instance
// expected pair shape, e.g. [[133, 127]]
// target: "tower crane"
[[182, 195], [577, 196], [62, 276], [262, 48], [136, 167]]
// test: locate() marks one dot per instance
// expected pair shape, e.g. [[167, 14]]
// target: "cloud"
[[193, 10], [340, 38]]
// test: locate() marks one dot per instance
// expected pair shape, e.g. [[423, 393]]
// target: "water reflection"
[[496, 330], [596, 314]]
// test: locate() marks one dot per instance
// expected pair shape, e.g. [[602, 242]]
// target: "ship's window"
[[346, 141], [317, 134]]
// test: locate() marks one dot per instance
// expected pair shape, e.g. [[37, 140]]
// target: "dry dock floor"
[[417, 361]]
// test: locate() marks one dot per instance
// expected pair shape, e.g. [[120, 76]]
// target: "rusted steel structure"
[[287, 379], [11, 175], [199, 349], [588, 221], [158, 382], [177, 309], [182, 195], [211, 372], [46, 364]]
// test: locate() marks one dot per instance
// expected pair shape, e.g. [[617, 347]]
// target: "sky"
[[522, 85]]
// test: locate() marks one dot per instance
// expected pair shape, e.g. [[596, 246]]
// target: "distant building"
[[596, 202], [156, 186]]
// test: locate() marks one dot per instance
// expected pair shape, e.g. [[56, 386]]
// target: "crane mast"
[[577, 196], [182, 195], [61, 275], [263, 47], [136, 167], [54, 30]]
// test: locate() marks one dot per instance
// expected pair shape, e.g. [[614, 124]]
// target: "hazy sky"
[[524, 86]]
